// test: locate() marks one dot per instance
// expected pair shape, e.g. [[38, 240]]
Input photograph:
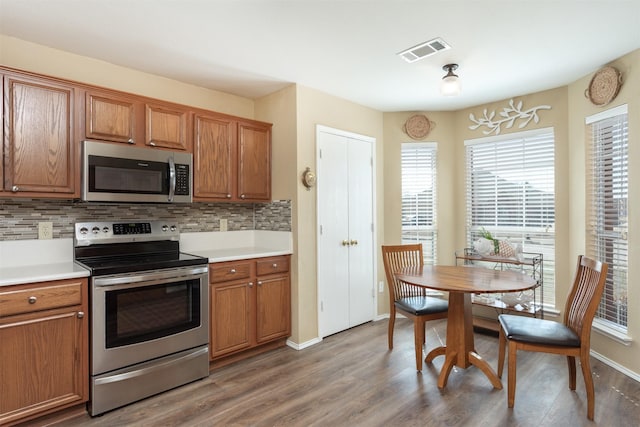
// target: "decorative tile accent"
[[19, 218]]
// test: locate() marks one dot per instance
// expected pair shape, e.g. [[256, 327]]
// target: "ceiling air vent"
[[424, 49]]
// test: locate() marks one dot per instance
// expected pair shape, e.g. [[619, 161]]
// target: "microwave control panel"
[[182, 180]]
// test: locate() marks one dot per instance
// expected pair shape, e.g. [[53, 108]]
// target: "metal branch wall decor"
[[506, 117]]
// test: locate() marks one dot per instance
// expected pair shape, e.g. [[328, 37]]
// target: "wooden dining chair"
[[412, 301], [570, 338]]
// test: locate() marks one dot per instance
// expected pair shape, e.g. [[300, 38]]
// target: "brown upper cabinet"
[[232, 159], [40, 156], [167, 127], [111, 117]]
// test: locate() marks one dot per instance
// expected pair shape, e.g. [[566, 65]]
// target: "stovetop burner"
[[125, 247]]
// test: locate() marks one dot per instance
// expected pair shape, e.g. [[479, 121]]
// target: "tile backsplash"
[[19, 218]]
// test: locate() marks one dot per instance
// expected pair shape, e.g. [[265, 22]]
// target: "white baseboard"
[[305, 344], [616, 366]]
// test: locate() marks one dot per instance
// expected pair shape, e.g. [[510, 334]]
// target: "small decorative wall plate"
[[308, 178], [604, 86], [418, 126]]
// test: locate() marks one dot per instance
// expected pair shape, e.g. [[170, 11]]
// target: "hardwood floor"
[[351, 379]]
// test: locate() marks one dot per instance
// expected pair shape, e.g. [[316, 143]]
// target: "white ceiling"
[[346, 48]]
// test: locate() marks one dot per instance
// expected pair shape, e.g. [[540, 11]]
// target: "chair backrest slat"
[[584, 296], [396, 257]]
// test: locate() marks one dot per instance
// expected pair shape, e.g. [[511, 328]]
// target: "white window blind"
[[510, 193], [419, 197], [607, 194]]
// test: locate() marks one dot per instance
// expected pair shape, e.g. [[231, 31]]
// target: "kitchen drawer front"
[[273, 265], [228, 271], [38, 298]]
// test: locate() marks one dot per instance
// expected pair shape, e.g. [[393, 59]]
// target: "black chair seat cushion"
[[537, 331], [420, 305]]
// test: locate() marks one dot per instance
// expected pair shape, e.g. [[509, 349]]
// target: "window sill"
[[610, 332]]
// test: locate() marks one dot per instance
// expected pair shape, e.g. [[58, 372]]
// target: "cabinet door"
[[231, 319], [214, 158], [42, 363], [39, 153], [273, 308], [254, 161], [166, 126], [110, 117]]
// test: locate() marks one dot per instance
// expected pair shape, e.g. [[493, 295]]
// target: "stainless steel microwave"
[[123, 173]]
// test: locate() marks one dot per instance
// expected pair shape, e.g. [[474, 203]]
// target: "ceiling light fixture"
[[450, 85]]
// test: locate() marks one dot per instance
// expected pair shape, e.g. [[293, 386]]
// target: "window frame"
[[412, 233], [605, 236], [546, 235]]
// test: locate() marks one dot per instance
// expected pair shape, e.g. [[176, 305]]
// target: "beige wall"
[[317, 108], [579, 107], [27, 56]]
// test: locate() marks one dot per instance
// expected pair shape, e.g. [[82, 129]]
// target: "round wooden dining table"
[[460, 282]]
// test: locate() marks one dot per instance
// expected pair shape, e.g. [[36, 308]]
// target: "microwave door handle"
[[172, 178]]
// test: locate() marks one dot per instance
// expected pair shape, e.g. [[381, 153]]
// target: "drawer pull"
[[32, 300], [274, 265], [259, 283], [15, 188], [251, 284], [80, 314], [232, 271]]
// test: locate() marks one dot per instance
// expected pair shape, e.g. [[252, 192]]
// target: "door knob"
[[345, 243], [353, 242]]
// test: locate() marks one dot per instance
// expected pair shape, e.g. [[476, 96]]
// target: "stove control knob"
[[165, 228], [105, 230], [95, 230], [84, 230], [174, 228]]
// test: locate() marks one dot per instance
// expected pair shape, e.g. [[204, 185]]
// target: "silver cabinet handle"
[[232, 271], [32, 300], [274, 265], [130, 141], [228, 196], [15, 188], [153, 144], [242, 196], [259, 283], [251, 284], [80, 314]]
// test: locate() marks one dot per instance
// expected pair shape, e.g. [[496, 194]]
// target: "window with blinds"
[[510, 193], [419, 197], [607, 194]]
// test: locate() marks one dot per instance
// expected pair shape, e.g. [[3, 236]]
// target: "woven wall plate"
[[604, 86], [418, 126]]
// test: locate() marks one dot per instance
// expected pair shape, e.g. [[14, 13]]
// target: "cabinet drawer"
[[273, 265], [225, 272], [40, 298]]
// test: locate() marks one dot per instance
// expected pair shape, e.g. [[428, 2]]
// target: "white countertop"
[[28, 261], [235, 245]]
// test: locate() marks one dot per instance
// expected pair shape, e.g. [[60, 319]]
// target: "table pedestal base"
[[460, 349]]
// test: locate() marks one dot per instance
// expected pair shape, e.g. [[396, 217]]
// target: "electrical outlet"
[[223, 225], [381, 286], [45, 230]]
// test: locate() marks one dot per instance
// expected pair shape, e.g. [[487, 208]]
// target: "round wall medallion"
[[604, 86], [308, 178], [418, 126]]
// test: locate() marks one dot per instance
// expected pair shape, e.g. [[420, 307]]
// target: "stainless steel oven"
[[149, 311]]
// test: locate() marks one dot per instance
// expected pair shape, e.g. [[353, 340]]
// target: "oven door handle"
[[144, 279], [150, 369]]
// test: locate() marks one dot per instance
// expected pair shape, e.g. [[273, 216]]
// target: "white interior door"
[[345, 232]]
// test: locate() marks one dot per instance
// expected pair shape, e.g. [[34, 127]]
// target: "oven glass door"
[[140, 314]]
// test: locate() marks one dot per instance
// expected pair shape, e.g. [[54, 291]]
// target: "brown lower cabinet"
[[250, 307], [43, 348]]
